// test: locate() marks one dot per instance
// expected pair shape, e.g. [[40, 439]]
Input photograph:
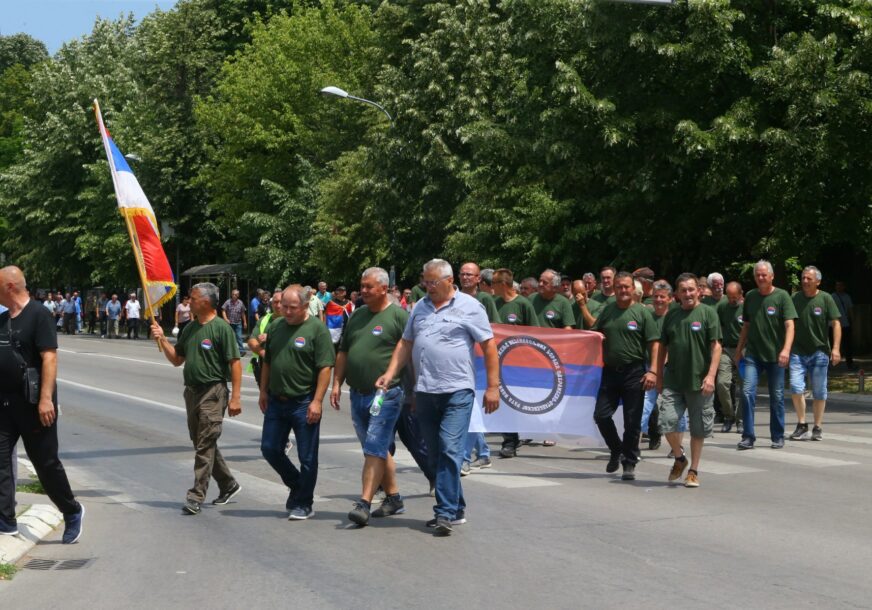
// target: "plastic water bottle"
[[377, 402]]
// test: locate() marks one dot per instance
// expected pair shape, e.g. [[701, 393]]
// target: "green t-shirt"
[[493, 316], [812, 325], [556, 313], [711, 302], [688, 335], [627, 333], [418, 293], [207, 349], [369, 340], [518, 311], [296, 354], [594, 307], [599, 297], [649, 301], [658, 323], [766, 317], [730, 317]]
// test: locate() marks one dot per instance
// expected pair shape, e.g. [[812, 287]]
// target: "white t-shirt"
[[132, 308]]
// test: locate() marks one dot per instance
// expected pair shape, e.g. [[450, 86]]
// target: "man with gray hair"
[[368, 343], [553, 310], [487, 281], [811, 352], [528, 287], [767, 333], [729, 312], [440, 337], [208, 349], [715, 283]]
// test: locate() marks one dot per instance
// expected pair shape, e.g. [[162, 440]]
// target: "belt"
[[625, 367], [205, 386], [362, 393], [284, 398]]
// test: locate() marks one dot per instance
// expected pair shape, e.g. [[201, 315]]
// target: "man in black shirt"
[[28, 341]]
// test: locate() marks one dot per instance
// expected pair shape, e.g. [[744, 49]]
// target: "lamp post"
[[336, 91]]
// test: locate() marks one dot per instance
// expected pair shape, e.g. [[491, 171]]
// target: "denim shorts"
[[376, 432], [816, 366]]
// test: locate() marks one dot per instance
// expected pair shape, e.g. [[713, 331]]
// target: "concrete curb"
[[845, 397], [34, 524]]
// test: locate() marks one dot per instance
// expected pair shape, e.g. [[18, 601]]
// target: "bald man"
[[28, 403]]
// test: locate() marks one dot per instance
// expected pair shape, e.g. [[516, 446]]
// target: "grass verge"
[[7, 571], [31, 487]]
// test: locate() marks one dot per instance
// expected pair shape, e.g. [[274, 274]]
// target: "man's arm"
[[492, 368], [224, 314], [835, 354], [263, 399], [313, 415], [338, 379], [740, 346], [399, 359], [168, 349], [658, 355], [235, 407], [48, 378], [651, 378], [708, 383], [784, 356]]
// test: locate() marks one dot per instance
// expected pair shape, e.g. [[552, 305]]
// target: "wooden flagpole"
[[140, 267]]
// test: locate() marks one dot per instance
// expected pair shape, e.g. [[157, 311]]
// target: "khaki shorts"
[[700, 412]]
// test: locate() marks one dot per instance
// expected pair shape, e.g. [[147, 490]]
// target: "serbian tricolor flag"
[[151, 260], [549, 380]]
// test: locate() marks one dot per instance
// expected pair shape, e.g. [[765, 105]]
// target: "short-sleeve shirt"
[[369, 341], [132, 308], [444, 342], [813, 321], [34, 331], [556, 313], [594, 307], [711, 302], [730, 317], [766, 316], [316, 306], [627, 333], [296, 354], [599, 297], [688, 335], [490, 308], [114, 309], [518, 311], [417, 293], [235, 310], [184, 313], [208, 350]]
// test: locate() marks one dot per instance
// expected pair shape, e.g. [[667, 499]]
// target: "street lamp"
[[344, 94]]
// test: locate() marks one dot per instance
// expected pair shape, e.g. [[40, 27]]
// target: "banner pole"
[[140, 267]]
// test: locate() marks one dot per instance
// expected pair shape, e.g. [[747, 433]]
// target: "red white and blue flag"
[[549, 379], [154, 268]]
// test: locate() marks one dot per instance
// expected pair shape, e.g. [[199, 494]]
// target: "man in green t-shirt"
[[514, 309], [606, 293], [811, 352], [691, 339], [584, 309], [418, 291], [661, 298], [629, 332], [208, 349], [368, 343], [715, 283], [767, 333], [294, 376], [553, 310], [729, 310]]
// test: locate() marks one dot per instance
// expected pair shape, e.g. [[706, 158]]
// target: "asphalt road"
[[766, 529]]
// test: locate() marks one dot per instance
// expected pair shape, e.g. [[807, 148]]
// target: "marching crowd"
[[676, 356]]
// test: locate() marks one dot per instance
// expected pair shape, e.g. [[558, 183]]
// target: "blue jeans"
[[444, 422], [775, 377], [816, 365], [376, 432], [475, 441], [409, 431], [237, 329], [280, 418]]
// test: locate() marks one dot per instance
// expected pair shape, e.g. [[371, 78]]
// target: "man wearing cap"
[[645, 276]]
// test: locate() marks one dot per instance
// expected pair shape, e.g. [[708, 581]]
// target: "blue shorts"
[[376, 432], [816, 366]]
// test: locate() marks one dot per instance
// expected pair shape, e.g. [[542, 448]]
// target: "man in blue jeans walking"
[[440, 337], [294, 376], [767, 333]]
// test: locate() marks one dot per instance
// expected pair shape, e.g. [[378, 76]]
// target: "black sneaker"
[[393, 505], [614, 462], [442, 527], [508, 451], [728, 425], [359, 514], [654, 443], [740, 427], [73, 526], [801, 433], [225, 496], [817, 434], [745, 444], [8, 529], [629, 472], [459, 519], [191, 507], [779, 444]]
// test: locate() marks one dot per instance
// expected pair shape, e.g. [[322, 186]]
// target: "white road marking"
[[786, 457]]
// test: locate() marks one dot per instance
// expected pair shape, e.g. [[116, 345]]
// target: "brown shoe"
[[677, 469], [692, 479]]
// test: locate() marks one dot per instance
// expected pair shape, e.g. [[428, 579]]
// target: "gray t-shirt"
[[444, 342]]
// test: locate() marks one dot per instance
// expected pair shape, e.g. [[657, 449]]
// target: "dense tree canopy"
[[526, 133]]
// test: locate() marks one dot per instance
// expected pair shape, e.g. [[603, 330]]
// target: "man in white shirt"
[[132, 309]]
